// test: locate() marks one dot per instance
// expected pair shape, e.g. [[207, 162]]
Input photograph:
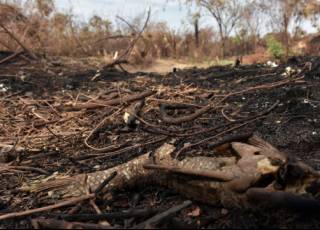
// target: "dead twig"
[[104, 149], [22, 168], [261, 114], [9, 58], [47, 208], [226, 117], [162, 216], [212, 138], [114, 102], [129, 49], [201, 111], [104, 183], [18, 41], [134, 213], [60, 224], [131, 148]]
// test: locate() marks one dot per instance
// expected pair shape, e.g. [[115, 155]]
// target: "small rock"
[[195, 213], [272, 64], [3, 88], [224, 212], [28, 94]]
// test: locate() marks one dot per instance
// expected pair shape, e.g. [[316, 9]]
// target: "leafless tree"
[[226, 14], [252, 21], [284, 13]]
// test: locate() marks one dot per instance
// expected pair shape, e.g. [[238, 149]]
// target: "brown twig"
[[131, 148], [105, 182], [212, 138], [114, 102], [9, 58], [60, 224], [226, 117], [129, 49], [162, 216], [25, 168], [17, 40], [134, 213], [47, 208], [104, 149], [132, 27], [200, 112]]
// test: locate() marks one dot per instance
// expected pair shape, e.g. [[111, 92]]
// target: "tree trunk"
[[196, 32], [286, 34], [223, 41]]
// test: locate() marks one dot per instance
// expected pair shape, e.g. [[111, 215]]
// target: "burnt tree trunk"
[[196, 33]]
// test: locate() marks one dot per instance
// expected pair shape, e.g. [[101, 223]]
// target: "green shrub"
[[275, 48]]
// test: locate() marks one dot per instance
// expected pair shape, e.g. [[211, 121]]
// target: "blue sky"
[[171, 11]]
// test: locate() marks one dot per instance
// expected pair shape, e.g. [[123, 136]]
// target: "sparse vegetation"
[[275, 48], [42, 29]]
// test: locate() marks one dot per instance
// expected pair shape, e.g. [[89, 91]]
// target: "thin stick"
[[48, 208], [133, 213], [133, 43], [215, 136], [114, 102], [25, 168], [160, 217], [17, 40], [60, 224], [107, 148], [226, 117], [105, 183], [131, 148], [10, 57]]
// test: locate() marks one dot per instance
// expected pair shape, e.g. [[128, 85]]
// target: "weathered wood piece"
[[229, 181]]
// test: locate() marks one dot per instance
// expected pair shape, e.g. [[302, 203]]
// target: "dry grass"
[[45, 31]]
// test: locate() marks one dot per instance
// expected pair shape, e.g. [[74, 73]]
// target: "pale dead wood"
[[228, 177]]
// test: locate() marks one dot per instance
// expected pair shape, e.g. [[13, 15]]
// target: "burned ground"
[[38, 115]]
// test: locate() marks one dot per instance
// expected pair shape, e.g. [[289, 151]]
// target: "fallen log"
[[256, 164]]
